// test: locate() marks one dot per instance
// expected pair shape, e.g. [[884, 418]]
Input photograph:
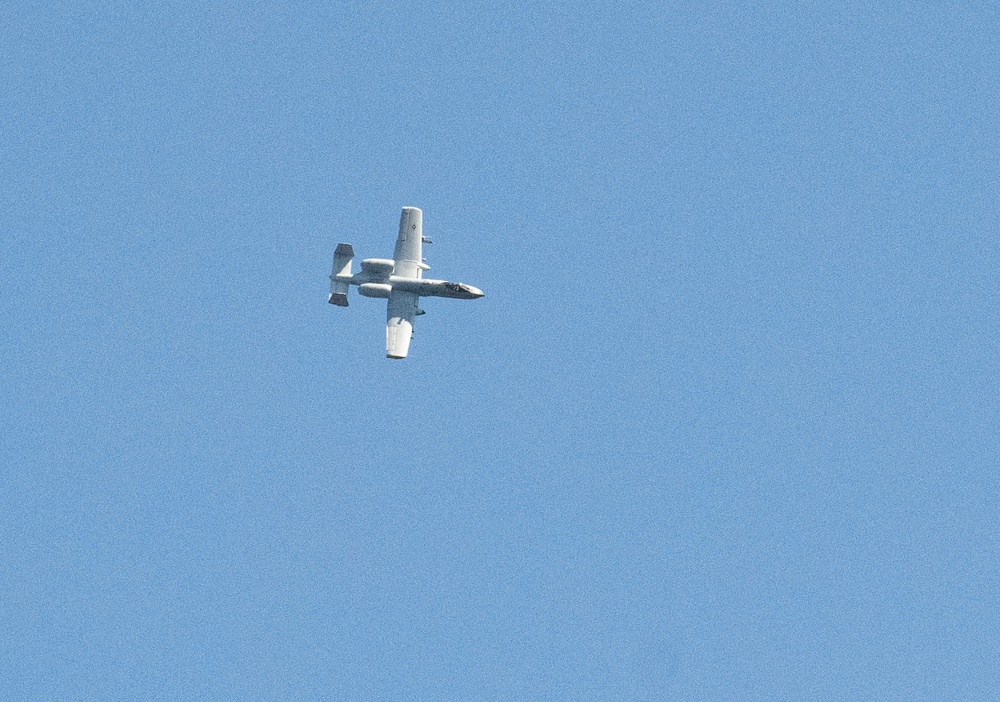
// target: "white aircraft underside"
[[399, 280]]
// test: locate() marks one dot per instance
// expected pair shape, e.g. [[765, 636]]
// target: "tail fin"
[[342, 258]]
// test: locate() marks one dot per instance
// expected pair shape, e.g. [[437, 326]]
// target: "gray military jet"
[[399, 280]]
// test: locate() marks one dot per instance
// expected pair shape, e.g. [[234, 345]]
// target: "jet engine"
[[374, 290], [377, 268]]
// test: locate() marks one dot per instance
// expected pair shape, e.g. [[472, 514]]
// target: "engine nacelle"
[[375, 290], [377, 268]]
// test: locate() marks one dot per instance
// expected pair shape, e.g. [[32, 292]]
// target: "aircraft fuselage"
[[424, 287]]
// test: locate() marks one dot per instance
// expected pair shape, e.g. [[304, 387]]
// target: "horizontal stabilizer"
[[342, 258]]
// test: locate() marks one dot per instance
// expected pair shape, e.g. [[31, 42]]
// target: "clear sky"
[[724, 426]]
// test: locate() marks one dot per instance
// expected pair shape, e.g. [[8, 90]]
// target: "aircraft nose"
[[476, 292]]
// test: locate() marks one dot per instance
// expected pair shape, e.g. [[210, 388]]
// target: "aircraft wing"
[[409, 244], [399, 326]]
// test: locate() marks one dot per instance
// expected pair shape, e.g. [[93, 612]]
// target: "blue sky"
[[723, 427]]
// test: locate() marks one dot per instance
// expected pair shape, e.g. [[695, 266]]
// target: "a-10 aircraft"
[[398, 280]]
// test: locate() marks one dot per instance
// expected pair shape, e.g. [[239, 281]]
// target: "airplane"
[[399, 280]]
